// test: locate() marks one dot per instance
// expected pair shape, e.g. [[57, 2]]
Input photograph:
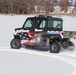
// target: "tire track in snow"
[[69, 57]]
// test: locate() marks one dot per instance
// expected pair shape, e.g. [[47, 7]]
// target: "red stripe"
[[31, 43]]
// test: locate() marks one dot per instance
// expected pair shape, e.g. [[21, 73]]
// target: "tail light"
[[62, 34]]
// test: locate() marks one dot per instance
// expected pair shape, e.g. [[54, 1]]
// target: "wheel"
[[55, 47], [65, 44], [15, 44]]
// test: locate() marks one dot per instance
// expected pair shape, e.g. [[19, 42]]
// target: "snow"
[[33, 62], [7, 25], [69, 23]]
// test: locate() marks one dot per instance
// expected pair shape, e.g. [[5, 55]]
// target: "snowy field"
[[33, 62]]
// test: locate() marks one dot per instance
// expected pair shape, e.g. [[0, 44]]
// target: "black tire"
[[65, 44], [55, 47], [15, 44]]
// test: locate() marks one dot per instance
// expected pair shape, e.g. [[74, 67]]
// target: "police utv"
[[41, 31]]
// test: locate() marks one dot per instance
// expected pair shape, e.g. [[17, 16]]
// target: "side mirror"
[[18, 29]]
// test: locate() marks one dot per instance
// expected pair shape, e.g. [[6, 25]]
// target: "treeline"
[[30, 6], [17, 6]]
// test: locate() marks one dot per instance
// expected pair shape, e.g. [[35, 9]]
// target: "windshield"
[[28, 24]]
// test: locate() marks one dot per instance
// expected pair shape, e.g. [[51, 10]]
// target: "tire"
[[65, 44], [15, 44], [55, 47]]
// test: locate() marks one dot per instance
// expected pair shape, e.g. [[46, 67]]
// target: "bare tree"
[[49, 7], [64, 4], [40, 5], [31, 6], [11, 3]]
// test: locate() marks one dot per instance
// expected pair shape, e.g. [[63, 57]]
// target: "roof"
[[45, 17]]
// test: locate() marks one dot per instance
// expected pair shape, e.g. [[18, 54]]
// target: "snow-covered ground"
[[33, 62]]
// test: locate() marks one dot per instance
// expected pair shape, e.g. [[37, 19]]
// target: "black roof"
[[45, 17]]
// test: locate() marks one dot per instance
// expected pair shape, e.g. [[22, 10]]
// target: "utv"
[[41, 31]]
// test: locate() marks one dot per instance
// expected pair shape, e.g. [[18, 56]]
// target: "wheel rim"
[[54, 48], [15, 44]]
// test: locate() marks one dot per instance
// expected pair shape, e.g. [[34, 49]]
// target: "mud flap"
[[71, 46]]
